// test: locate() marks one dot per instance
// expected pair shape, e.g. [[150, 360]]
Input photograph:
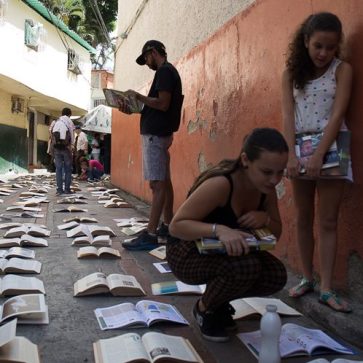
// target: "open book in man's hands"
[[114, 98], [151, 347], [297, 340], [143, 314]]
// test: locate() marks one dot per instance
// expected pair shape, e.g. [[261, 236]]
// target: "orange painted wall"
[[231, 84]]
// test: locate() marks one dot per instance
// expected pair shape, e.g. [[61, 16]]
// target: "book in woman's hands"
[[249, 306], [24, 240], [116, 284], [114, 98], [144, 314], [297, 340], [15, 349], [19, 265], [176, 288], [29, 309], [261, 239], [103, 252], [151, 347]]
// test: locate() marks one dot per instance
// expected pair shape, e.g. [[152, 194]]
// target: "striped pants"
[[227, 277]]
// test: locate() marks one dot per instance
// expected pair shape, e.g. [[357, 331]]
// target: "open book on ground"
[[248, 306], [24, 240], [29, 309], [23, 208], [31, 231], [71, 209], [17, 252], [19, 265], [114, 97], [68, 225], [297, 340], [261, 240], [117, 204], [15, 349], [144, 314], [90, 229], [159, 252], [103, 252], [176, 288], [151, 347], [134, 229], [128, 222], [80, 219], [95, 241], [71, 200], [16, 285], [116, 284], [23, 215], [162, 267]]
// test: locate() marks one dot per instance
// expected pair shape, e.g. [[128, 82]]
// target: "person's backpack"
[[59, 143]]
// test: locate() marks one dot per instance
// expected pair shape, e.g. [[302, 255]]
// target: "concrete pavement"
[[73, 328]]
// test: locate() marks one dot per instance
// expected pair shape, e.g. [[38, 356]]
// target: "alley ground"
[[73, 327]]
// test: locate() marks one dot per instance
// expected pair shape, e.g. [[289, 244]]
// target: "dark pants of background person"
[[227, 277], [94, 174], [63, 165]]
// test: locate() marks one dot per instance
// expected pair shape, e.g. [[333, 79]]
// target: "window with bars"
[[32, 32], [73, 62]]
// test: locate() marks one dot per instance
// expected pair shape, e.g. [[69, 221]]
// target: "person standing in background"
[[80, 147], [96, 147]]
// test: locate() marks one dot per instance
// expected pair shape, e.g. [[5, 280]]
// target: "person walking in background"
[[62, 141], [161, 112], [234, 194], [316, 91], [96, 147], [80, 148]]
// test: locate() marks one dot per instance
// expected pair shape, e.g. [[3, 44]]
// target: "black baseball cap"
[[149, 45]]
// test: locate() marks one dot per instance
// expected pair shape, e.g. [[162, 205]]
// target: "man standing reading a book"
[[160, 117]]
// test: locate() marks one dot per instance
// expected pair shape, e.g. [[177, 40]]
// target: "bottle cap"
[[271, 308]]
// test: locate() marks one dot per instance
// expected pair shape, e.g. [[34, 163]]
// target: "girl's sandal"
[[303, 287], [331, 299]]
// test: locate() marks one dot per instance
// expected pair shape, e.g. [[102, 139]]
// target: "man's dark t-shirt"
[[157, 122]]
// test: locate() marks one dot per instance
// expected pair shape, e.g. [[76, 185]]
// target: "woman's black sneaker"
[[210, 326], [225, 316], [163, 230]]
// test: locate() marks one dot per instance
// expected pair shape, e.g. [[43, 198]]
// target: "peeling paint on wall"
[[202, 163], [197, 124], [130, 161]]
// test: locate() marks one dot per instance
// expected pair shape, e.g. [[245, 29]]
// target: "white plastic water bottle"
[[270, 336]]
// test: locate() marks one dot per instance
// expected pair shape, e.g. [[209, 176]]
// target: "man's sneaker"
[[69, 192], [144, 242], [210, 326], [225, 316], [163, 230], [59, 193]]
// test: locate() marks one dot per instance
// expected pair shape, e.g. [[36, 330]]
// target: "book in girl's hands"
[[24, 240], [15, 349], [19, 265], [297, 340], [29, 309], [116, 284], [250, 306], [144, 314], [151, 347], [103, 252], [114, 98], [337, 158], [176, 288], [261, 240]]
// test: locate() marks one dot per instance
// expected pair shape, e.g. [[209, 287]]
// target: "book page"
[[162, 267], [107, 251], [242, 309], [155, 311], [259, 304], [123, 348], [3, 263], [176, 287], [23, 266], [20, 349], [88, 251], [92, 281], [165, 346], [68, 225], [118, 316], [27, 239], [14, 285], [159, 252], [80, 230], [16, 232], [124, 285], [8, 242], [7, 332], [23, 304], [20, 252], [96, 230], [102, 240]]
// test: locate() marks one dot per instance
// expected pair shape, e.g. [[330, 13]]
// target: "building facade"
[[44, 68]]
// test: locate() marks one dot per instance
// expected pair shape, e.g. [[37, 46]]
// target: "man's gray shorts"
[[156, 157]]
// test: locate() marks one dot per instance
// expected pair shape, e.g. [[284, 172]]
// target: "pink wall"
[[231, 84]]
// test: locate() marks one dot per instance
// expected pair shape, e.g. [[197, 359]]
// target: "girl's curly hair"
[[299, 63]]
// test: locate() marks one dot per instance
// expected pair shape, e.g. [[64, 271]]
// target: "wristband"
[[214, 230]]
